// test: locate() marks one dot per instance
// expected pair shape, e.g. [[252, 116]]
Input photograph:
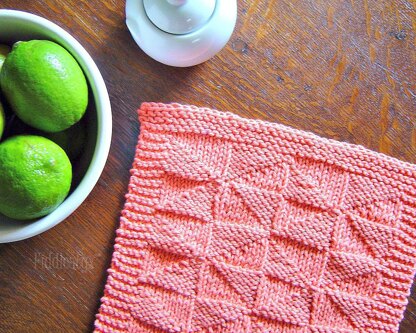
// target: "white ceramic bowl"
[[15, 26]]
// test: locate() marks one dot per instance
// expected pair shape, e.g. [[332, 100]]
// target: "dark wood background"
[[344, 69]]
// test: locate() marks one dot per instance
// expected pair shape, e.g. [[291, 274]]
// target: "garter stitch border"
[[243, 226]]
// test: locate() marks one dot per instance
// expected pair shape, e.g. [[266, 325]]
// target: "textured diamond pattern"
[[238, 226]]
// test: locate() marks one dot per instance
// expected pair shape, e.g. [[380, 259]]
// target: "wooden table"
[[344, 69]]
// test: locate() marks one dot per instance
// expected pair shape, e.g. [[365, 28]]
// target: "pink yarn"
[[236, 226]]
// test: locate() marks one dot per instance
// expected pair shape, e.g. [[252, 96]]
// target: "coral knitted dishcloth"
[[235, 226]]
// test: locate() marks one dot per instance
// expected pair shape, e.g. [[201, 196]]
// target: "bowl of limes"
[[55, 125]]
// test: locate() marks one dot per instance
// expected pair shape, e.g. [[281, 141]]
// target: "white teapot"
[[181, 33]]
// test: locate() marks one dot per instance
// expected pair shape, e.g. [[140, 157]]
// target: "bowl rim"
[[104, 130]]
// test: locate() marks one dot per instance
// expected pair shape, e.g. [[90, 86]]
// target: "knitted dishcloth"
[[235, 226]]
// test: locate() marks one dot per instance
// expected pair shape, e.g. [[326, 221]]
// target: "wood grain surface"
[[343, 69]]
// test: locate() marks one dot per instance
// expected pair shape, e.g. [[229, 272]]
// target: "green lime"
[[4, 51], [35, 176], [72, 140], [44, 85], [14, 126], [2, 120]]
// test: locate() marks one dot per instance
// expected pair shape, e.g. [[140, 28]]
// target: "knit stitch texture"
[[241, 226]]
